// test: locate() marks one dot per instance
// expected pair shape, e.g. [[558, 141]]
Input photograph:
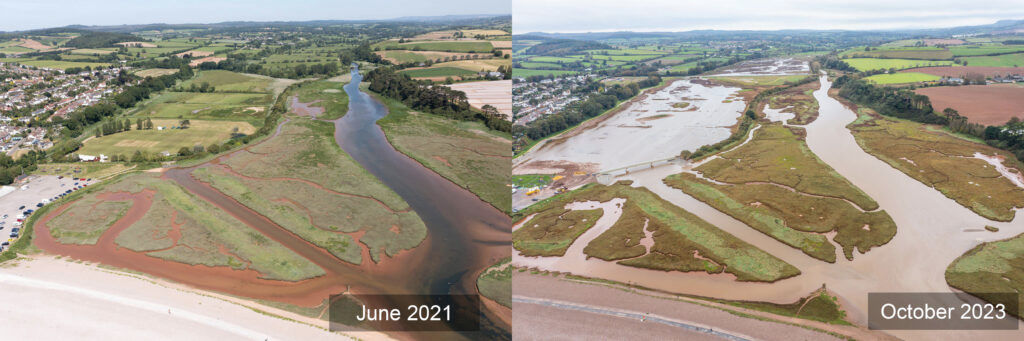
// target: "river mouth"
[[930, 235], [466, 234]]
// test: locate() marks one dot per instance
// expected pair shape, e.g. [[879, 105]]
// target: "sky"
[[19, 15], [572, 16]]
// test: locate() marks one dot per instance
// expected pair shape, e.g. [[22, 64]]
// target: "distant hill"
[[564, 47], [90, 39]]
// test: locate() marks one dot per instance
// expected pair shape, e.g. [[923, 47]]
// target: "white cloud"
[[676, 15]]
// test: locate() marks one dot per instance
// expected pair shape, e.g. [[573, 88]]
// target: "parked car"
[[21, 208]]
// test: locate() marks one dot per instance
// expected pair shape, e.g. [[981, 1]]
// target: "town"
[[34, 101]]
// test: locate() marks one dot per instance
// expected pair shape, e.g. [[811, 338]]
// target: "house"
[[86, 158]]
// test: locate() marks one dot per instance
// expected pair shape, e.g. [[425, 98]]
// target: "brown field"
[[136, 43], [32, 44], [961, 71], [985, 104], [196, 62], [495, 93], [195, 53], [932, 42], [501, 44]]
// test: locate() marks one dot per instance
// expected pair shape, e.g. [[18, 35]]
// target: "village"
[[33, 98], [533, 100]]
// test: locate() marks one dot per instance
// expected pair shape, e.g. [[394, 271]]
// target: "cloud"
[[675, 15]]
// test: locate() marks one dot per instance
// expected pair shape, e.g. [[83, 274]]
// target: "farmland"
[[867, 64], [986, 104], [902, 78], [1006, 60], [230, 81]]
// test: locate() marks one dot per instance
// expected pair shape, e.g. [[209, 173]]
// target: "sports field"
[[200, 132]]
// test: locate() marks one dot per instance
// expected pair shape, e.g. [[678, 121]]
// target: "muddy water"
[[930, 236], [651, 128], [467, 233]]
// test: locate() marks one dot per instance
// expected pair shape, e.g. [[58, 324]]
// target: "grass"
[[87, 220], [210, 106], [940, 160], [440, 71], [205, 231], [528, 72], [977, 50], [867, 64], [748, 81], [776, 185], [330, 95], [466, 153], [81, 170], [682, 241], [902, 78], [930, 53], [531, 180], [799, 101], [282, 178], [154, 72], [229, 81], [496, 282], [1006, 60], [549, 233], [200, 132], [62, 65], [993, 267], [447, 46]]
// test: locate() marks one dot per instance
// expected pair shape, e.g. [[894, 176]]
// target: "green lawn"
[[443, 71], [170, 140], [229, 81], [1006, 60], [902, 77], [866, 64]]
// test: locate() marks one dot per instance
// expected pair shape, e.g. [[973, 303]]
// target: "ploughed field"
[[991, 104]]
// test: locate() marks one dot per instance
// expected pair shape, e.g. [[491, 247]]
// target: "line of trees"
[[889, 101], [423, 96]]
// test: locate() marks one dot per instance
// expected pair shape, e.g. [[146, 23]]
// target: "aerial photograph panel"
[[767, 170], [252, 171]]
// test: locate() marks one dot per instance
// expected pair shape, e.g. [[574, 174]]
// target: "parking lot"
[[20, 197]]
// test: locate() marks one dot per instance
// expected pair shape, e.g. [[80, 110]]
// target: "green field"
[[61, 65], [81, 169], [329, 95], [444, 71], [867, 64], [1006, 60], [212, 106], [528, 72], [201, 132], [902, 78], [447, 46], [976, 50], [230, 81]]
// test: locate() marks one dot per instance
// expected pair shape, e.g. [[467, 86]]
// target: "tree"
[[184, 151], [184, 123]]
